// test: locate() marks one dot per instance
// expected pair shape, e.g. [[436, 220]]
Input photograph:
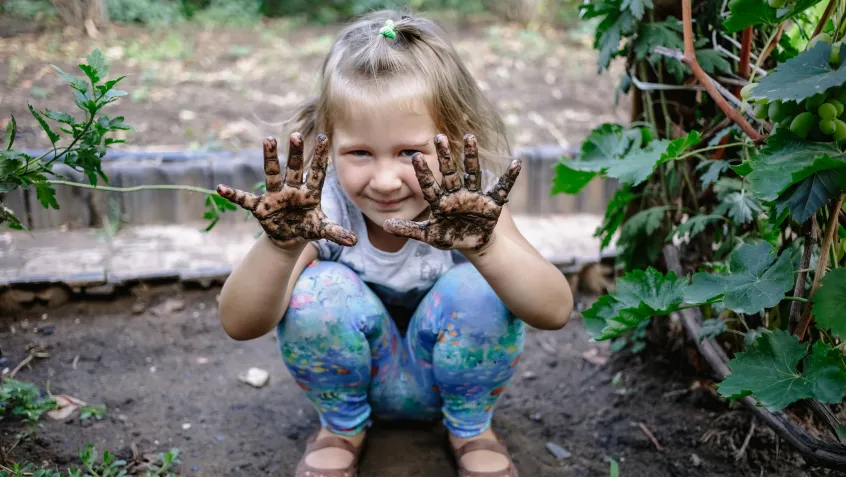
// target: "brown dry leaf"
[[65, 406], [594, 356]]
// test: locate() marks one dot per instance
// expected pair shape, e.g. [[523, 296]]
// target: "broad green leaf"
[[114, 94], [677, 147], [639, 296], [11, 131], [651, 34], [829, 302], [103, 88], [615, 212], [786, 159], [713, 169], [14, 223], [767, 371], [606, 143], [694, 226], [756, 280], [46, 195], [645, 222], [616, 23], [569, 181], [90, 72], [637, 166], [744, 13], [615, 152], [805, 198], [76, 83], [801, 77], [636, 246], [711, 328], [59, 116], [713, 61], [97, 61], [50, 134], [739, 207], [743, 169], [638, 7]]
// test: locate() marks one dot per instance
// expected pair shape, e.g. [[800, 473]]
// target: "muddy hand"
[[461, 216], [289, 211]]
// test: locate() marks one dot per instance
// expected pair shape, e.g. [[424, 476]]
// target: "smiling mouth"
[[387, 203]]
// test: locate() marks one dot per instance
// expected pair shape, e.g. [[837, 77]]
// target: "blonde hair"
[[363, 67]]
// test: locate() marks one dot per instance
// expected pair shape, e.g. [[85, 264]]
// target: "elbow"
[[234, 327]]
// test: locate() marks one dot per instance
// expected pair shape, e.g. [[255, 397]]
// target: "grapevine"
[[729, 214]]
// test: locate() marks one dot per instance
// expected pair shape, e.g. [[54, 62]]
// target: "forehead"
[[383, 118]]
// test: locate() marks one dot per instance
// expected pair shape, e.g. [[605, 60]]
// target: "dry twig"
[[650, 436]]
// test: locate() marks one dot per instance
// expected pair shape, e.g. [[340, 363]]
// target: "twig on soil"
[[742, 451], [799, 289], [21, 365], [650, 436], [822, 262], [689, 59]]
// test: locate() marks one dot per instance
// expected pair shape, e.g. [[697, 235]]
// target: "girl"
[[398, 286]]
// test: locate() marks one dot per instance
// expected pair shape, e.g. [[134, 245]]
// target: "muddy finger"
[[472, 174], [451, 182], [272, 177], [406, 228], [245, 199], [500, 191], [336, 233], [294, 167], [319, 162], [431, 190]]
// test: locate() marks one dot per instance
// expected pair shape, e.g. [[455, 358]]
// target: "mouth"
[[387, 204]]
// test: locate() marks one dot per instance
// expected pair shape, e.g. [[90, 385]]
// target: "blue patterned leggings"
[[344, 350]]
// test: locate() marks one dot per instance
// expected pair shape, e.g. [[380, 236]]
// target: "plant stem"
[[830, 230], [689, 59], [764, 53], [745, 54], [663, 99], [710, 148], [133, 189], [796, 298], [650, 111], [824, 19]]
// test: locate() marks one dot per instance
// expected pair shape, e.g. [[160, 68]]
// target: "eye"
[[409, 153], [359, 153]]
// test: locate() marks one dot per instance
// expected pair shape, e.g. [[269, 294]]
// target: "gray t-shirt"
[[400, 279]]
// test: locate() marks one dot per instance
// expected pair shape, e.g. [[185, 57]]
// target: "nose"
[[385, 180]]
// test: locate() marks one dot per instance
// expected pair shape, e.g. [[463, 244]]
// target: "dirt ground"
[[210, 88], [159, 372]]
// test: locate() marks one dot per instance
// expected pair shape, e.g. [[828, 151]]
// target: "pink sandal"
[[313, 444], [497, 446]]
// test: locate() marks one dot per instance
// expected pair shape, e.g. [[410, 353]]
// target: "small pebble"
[[220, 438], [47, 330], [4, 361], [255, 377], [138, 308], [186, 426], [695, 460], [195, 468], [537, 417], [529, 375], [559, 452], [152, 369]]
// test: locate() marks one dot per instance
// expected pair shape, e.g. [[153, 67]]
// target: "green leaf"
[[805, 198], [569, 181], [755, 280], [636, 245], [738, 206], [98, 62], [50, 134], [786, 159], [46, 195], [11, 131], [76, 83], [713, 61], [713, 169], [103, 88], [90, 72], [767, 371], [677, 147], [829, 300], [59, 116], [637, 7], [694, 226], [14, 223], [615, 213], [615, 152], [744, 13], [637, 166], [639, 295], [651, 34], [801, 77], [616, 23], [743, 169], [711, 329]]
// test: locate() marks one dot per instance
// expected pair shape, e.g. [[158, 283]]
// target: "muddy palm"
[[289, 211], [461, 216]]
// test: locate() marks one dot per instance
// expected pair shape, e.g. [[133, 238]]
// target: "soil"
[[214, 87], [159, 361]]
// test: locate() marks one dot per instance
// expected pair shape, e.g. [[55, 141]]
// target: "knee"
[[326, 294]]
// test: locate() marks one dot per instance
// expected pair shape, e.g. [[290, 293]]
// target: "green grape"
[[827, 111], [778, 111], [840, 130], [802, 124], [837, 104], [814, 101], [776, 3], [824, 37], [834, 56], [785, 123], [841, 95], [761, 111], [827, 126], [746, 91]]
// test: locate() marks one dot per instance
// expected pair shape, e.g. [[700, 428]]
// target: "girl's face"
[[372, 149]]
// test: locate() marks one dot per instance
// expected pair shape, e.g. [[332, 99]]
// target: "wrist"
[[482, 251], [284, 251]]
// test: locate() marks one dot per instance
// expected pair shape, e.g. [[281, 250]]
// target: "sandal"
[[312, 445], [497, 446]]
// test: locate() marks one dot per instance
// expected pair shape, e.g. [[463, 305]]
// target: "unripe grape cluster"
[[819, 117]]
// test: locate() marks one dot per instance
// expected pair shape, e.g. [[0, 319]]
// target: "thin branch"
[[772, 41], [133, 189], [799, 289], [689, 59], [822, 261], [745, 51], [824, 19]]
